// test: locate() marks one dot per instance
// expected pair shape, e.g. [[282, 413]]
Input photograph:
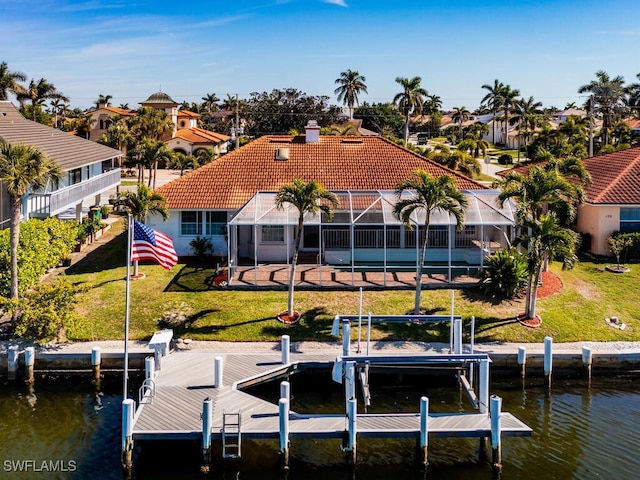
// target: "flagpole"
[[125, 375]]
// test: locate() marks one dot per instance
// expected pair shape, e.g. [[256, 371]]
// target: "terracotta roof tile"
[[615, 177], [199, 135], [371, 163]]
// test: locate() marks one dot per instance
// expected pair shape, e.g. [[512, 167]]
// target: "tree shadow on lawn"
[[108, 255], [193, 277], [309, 327], [477, 295]]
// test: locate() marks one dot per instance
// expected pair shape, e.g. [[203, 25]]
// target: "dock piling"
[[346, 337], [285, 391], [128, 410], [548, 361], [522, 361], [12, 361], [149, 368], [285, 347], [424, 430], [483, 387], [496, 446], [352, 413], [29, 363], [283, 410], [96, 360], [207, 422], [218, 364], [587, 360], [457, 336]]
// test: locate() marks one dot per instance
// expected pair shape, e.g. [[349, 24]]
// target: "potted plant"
[[104, 211]]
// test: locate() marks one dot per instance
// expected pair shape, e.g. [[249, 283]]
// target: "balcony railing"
[[47, 204]]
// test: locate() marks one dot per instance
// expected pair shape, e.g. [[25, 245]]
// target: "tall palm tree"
[[428, 194], [9, 82], [545, 239], [117, 135], [22, 168], [150, 153], [607, 99], [432, 104], [509, 101], [142, 203], [460, 115], [493, 100], [527, 115], [410, 100], [82, 125], [310, 198], [38, 92], [351, 84], [57, 108], [633, 99]]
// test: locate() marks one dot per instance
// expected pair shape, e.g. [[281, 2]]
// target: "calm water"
[[579, 433]]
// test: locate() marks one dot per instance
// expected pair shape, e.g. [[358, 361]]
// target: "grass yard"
[[186, 299]]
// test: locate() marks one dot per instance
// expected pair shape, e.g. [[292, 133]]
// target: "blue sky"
[[132, 48]]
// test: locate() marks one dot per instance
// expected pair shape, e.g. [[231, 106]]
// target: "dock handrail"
[[146, 392]]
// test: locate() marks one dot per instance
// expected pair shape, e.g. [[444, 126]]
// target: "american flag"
[[149, 244]]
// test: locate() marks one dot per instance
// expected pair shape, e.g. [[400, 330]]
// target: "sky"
[[130, 49]]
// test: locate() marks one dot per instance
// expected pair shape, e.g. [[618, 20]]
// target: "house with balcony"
[[89, 168], [231, 202]]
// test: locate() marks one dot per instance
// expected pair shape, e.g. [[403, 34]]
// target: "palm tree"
[[428, 194], [527, 115], [142, 203], [493, 100], [9, 82], [410, 100], [607, 99], [206, 155], [150, 153], [82, 125], [117, 135], [351, 84], [474, 144], [22, 168], [103, 100], [57, 107], [182, 161], [432, 105], [509, 101], [633, 100], [37, 93], [310, 198], [545, 239], [460, 115]]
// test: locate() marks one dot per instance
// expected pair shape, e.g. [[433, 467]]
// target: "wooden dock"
[[187, 379]]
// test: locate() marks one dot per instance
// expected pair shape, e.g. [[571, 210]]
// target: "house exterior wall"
[[600, 221]]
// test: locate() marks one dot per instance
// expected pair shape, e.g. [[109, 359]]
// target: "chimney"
[[312, 132]]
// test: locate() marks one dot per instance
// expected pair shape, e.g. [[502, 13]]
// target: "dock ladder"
[[231, 434]]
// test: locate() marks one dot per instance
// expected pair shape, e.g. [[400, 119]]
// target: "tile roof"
[[615, 177], [188, 113], [125, 112], [66, 150], [339, 163], [200, 135]]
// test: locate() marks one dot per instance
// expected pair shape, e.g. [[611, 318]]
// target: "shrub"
[[506, 274], [505, 159], [201, 246]]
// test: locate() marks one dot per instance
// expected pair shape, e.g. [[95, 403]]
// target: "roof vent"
[[282, 154]]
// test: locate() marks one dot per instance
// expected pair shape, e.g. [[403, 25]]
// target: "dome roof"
[[159, 98]]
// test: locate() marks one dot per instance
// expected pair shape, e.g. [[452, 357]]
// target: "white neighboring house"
[[89, 168]]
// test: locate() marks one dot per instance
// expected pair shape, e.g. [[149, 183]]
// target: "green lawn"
[[206, 312]]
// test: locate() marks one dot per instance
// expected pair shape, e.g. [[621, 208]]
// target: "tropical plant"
[[103, 100], [205, 155], [22, 168], [617, 244], [493, 100], [545, 239], [382, 118], [509, 101], [460, 115], [505, 273], [150, 153], [307, 198], [410, 100], [607, 99], [427, 194], [201, 246], [181, 161], [351, 83], [37, 93], [474, 144], [9, 82], [142, 203]]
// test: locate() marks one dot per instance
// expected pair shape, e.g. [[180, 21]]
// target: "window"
[[216, 223], [272, 234], [75, 176], [191, 223], [630, 219]]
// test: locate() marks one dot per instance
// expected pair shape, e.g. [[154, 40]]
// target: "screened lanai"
[[365, 236]]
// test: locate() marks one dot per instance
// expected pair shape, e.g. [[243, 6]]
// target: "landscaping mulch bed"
[[551, 284]]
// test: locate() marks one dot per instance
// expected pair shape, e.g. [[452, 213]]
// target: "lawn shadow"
[[193, 277], [477, 295], [108, 255], [309, 327]]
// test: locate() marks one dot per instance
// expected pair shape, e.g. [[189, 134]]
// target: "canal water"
[[66, 428]]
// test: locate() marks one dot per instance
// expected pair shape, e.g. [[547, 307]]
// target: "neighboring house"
[[88, 167], [612, 199], [190, 140], [231, 202], [102, 118], [559, 117]]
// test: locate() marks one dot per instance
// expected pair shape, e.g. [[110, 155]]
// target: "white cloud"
[[340, 3]]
